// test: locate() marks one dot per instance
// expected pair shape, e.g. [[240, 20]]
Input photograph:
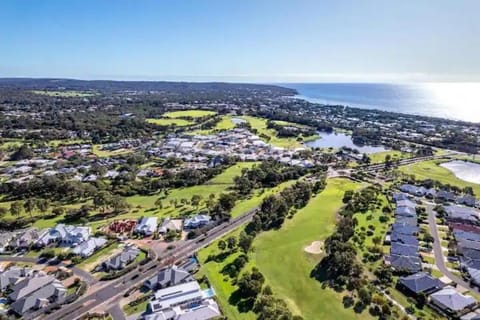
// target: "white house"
[[147, 226], [64, 235], [87, 248]]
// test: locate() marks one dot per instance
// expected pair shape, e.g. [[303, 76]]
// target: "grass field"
[[280, 253], [65, 94], [189, 114], [395, 154], [97, 150], [169, 121], [432, 170], [225, 123], [261, 126], [280, 257]]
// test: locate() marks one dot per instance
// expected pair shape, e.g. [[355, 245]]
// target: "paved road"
[[437, 249], [116, 312], [86, 276], [109, 294]]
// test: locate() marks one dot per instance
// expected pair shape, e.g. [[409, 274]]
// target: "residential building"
[[452, 302], [170, 224], [419, 283], [410, 264], [87, 248], [64, 235], [121, 260], [196, 221], [167, 277], [147, 226]]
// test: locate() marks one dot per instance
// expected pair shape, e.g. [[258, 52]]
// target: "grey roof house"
[[121, 260], [87, 248], [405, 263], [418, 283], [452, 302], [168, 277]]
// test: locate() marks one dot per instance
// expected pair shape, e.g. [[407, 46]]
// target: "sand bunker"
[[314, 248]]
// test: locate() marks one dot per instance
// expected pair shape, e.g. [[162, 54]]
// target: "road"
[[437, 249], [111, 293], [116, 312], [85, 276]]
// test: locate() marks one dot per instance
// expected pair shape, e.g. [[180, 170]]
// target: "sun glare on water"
[[458, 98]]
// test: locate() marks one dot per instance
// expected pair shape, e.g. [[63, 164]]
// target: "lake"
[[465, 170], [457, 101], [337, 140]]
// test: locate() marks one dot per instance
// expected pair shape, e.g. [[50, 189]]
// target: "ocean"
[[456, 101]]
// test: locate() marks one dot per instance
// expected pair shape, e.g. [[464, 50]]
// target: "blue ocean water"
[[456, 101]]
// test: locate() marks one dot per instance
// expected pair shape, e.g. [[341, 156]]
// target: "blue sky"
[[247, 40]]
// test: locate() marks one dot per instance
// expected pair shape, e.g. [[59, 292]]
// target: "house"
[[410, 221], [87, 248], [170, 224], [146, 226], [405, 203], [196, 221], [445, 195], [467, 244], [207, 309], [466, 235], [13, 275], [402, 228], [405, 211], [121, 260], [35, 293], [413, 190], [400, 196], [64, 235], [419, 283], [452, 302], [467, 200], [431, 193], [462, 214], [401, 249], [410, 264], [181, 295], [167, 277], [25, 239], [403, 238], [5, 239]]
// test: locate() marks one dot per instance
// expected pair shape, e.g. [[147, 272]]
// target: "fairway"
[[379, 157], [432, 170], [280, 257], [189, 114], [260, 125], [169, 122], [225, 123]]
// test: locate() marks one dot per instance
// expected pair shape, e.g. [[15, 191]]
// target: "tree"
[[24, 152], [377, 240], [101, 200], [245, 241], [231, 243], [43, 205], [250, 284], [196, 200], [118, 203], [58, 211], [159, 203], [222, 245], [16, 208], [29, 205], [365, 296]]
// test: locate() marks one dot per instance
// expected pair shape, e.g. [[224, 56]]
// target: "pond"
[[337, 140], [465, 170]]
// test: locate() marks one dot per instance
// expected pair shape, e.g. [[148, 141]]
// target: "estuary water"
[[337, 140], [450, 100]]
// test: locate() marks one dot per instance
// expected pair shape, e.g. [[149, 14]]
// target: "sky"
[[242, 40]]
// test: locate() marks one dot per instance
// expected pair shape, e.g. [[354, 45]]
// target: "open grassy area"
[[432, 170], [169, 122], [65, 94], [281, 258], [260, 125], [188, 114], [139, 308], [225, 123], [91, 262], [97, 150], [395, 155]]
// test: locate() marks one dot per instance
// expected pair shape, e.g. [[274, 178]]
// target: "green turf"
[[169, 121], [188, 113], [225, 123], [395, 155], [260, 125], [432, 170], [280, 257]]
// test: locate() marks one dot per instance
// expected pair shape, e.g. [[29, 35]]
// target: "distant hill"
[[144, 86]]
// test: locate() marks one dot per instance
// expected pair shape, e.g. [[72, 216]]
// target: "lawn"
[[67, 93], [260, 125], [379, 157], [225, 123], [97, 150], [280, 257], [91, 262], [432, 170], [194, 113], [139, 308], [169, 121]]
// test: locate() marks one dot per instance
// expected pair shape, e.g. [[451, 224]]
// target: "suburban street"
[[437, 249], [108, 295]]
